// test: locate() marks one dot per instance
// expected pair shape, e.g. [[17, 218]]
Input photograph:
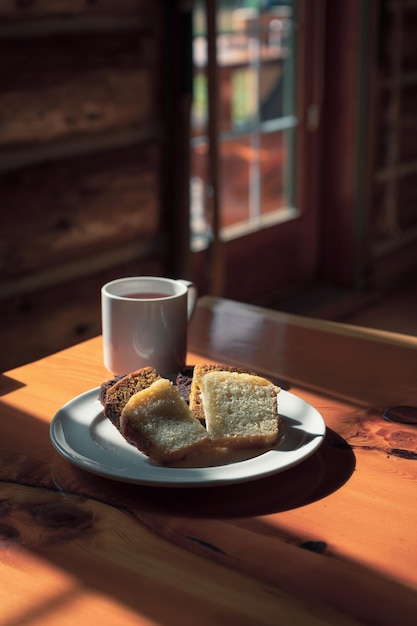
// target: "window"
[[255, 119]]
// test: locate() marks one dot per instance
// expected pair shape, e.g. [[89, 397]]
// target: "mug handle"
[[192, 296]]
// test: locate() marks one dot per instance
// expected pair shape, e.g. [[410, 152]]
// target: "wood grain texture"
[[119, 563], [113, 557], [77, 208], [63, 85]]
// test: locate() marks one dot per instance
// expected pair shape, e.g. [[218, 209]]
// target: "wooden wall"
[[394, 199], [82, 139], [369, 152]]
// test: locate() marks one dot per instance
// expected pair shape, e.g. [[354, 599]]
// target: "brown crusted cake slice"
[[201, 370], [115, 396], [241, 410], [158, 421], [104, 387]]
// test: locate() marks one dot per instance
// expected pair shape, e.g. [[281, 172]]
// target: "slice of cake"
[[115, 396], [241, 410], [158, 421], [195, 392], [104, 387]]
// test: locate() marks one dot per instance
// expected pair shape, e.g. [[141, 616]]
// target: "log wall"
[[394, 199], [81, 145]]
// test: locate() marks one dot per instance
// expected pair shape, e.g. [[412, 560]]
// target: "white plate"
[[82, 435]]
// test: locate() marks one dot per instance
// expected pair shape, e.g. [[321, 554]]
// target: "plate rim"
[[185, 477]]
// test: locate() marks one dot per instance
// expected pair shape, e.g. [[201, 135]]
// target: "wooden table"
[[330, 541]]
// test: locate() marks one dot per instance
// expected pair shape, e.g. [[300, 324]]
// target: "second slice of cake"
[[241, 410]]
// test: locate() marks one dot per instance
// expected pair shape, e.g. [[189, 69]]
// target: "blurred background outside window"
[[256, 122]]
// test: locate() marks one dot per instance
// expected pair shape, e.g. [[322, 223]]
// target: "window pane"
[[272, 162], [255, 57], [235, 157]]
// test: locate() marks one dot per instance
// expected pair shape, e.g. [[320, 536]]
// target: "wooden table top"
[[330, 541]]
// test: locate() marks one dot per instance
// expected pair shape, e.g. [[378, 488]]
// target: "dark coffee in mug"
[[145, 295]]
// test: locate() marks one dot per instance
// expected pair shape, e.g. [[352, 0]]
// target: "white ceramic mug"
[[144, 322]]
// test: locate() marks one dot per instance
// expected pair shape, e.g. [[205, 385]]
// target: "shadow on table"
[[8, 384], [321, 474], [318, 476]]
